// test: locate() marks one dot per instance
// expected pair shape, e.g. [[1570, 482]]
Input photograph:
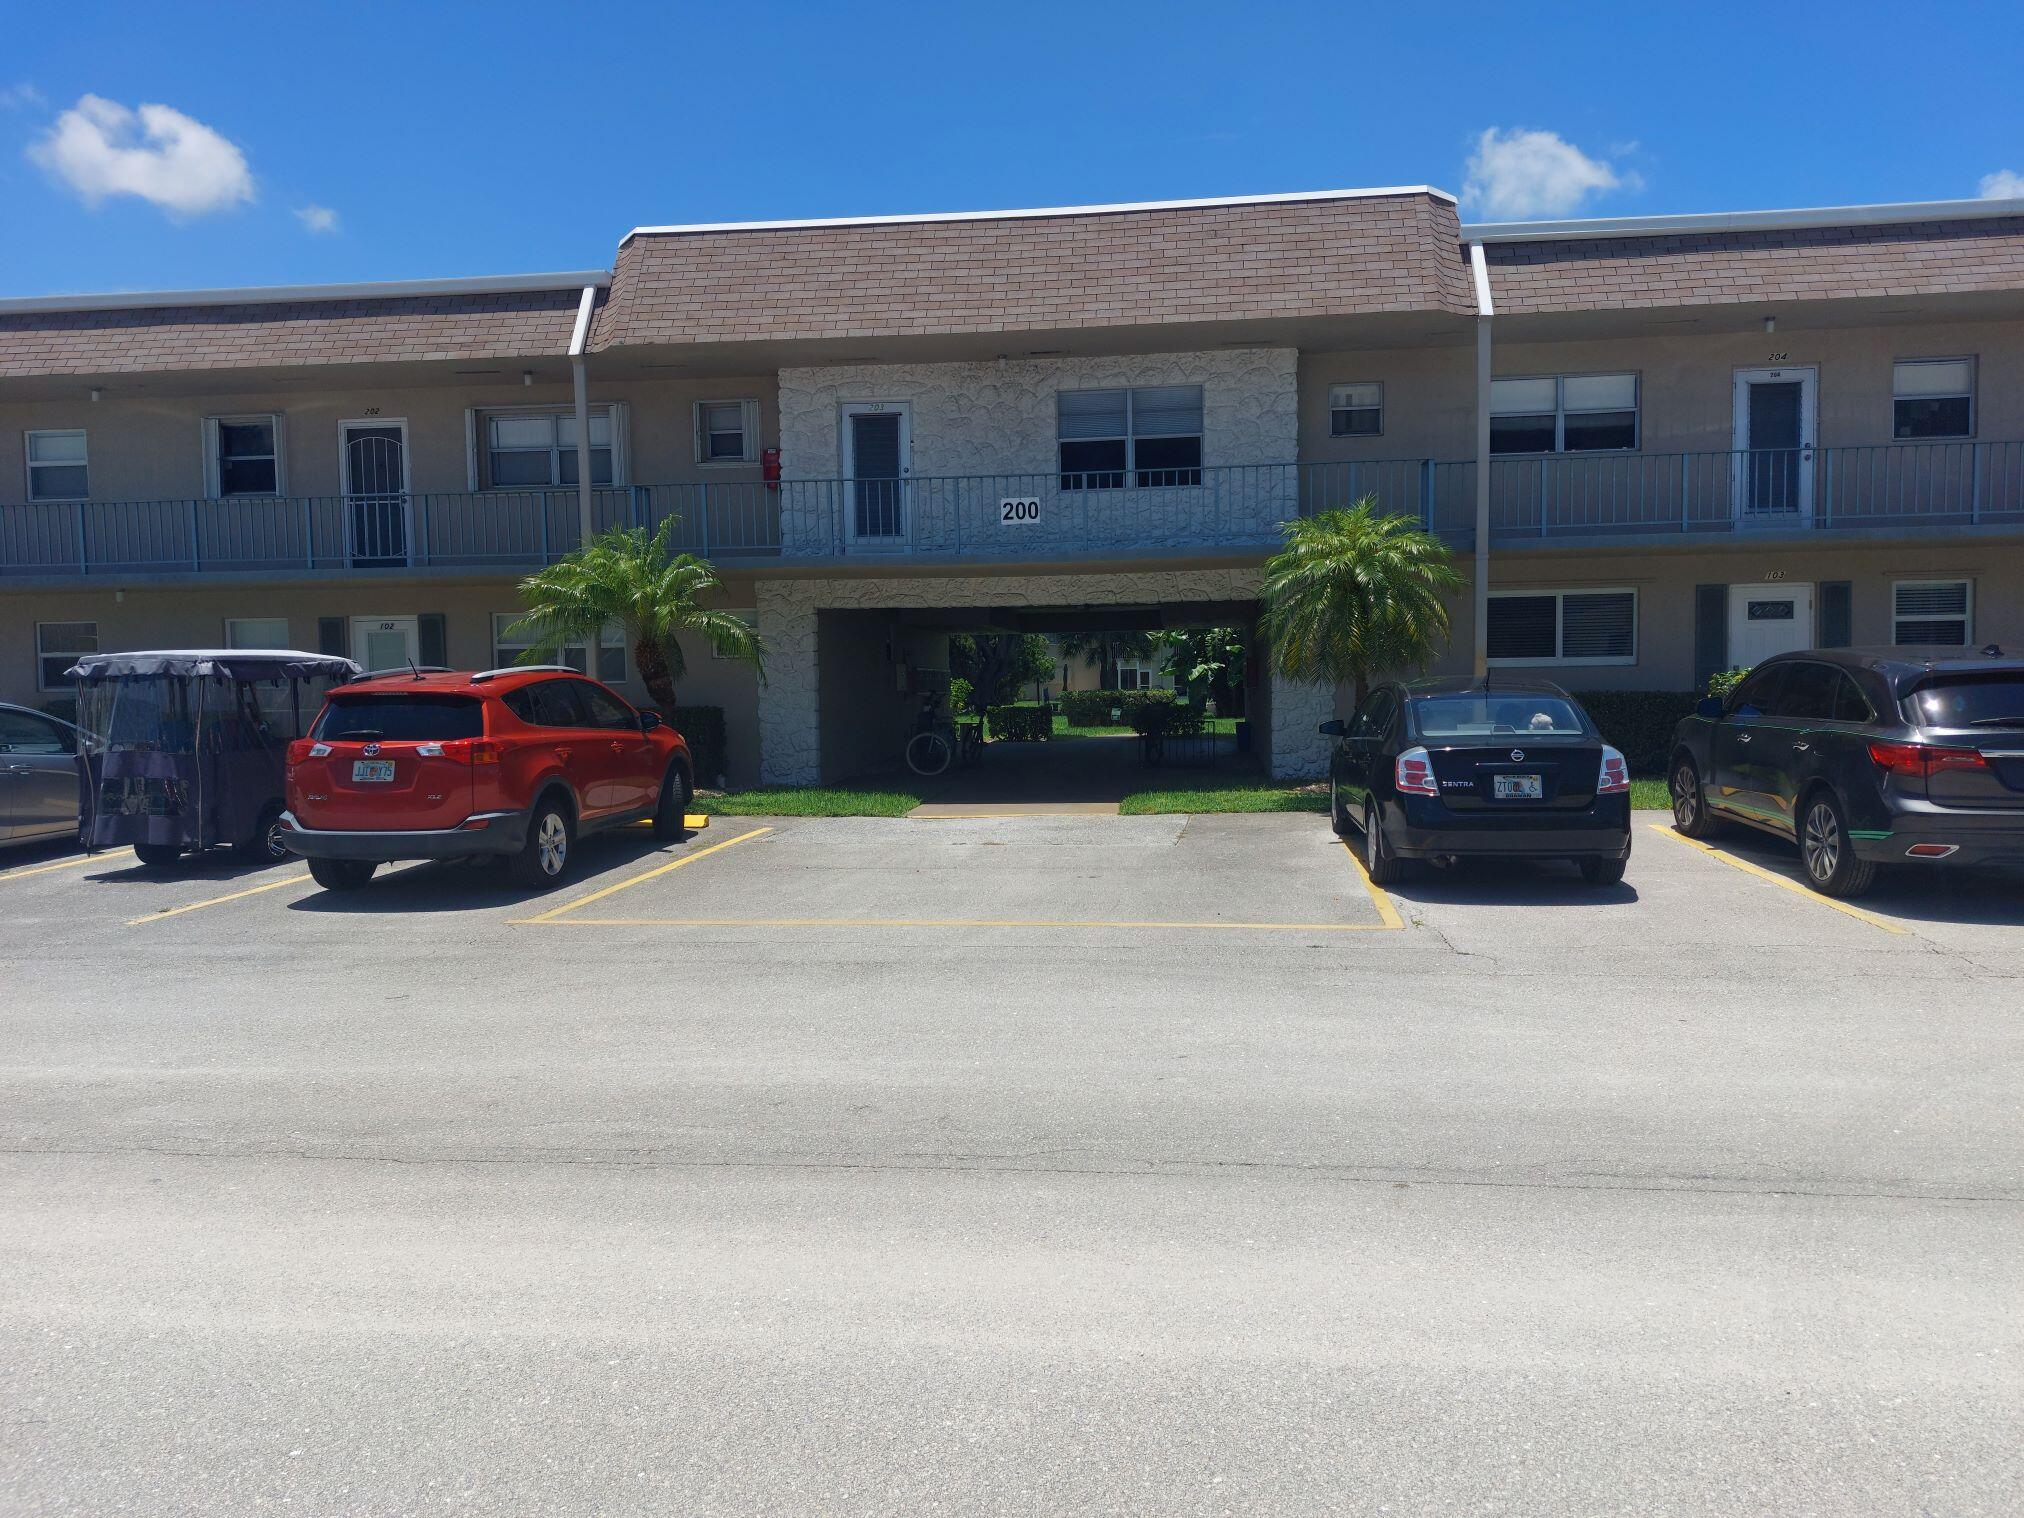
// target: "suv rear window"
[[1993, 700], [1481, 715], [390, 718]]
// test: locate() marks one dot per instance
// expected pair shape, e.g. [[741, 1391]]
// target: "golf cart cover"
[[214, 663]]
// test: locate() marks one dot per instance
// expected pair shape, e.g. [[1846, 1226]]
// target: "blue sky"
[[304, 142]]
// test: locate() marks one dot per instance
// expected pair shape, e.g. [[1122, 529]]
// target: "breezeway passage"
[[1202, 874]]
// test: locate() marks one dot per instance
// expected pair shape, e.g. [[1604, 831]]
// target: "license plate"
[[1517, 788], [383, 769]]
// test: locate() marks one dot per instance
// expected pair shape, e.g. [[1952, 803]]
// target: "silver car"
[[38, 776]]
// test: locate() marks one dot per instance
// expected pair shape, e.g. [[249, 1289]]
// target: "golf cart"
[[185, 749]]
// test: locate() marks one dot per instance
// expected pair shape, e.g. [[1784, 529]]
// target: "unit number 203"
[[1021, 511]]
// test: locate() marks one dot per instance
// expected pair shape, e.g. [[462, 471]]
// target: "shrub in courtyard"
[[1093, 708], [962, 697], [1639, 723], [1725, 680], [1020, 724], [1165, 719]]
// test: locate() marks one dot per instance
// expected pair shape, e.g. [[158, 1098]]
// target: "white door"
[[877, 458], [386, 642], [1768, 619], [1776, 418]]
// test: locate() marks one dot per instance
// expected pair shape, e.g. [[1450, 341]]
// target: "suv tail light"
[[302, 748], [463, 750], [1923, 759], [1415, 774], [1615, 775]]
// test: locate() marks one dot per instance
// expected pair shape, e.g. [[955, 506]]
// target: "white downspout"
[[1480, 269], [578, 339]]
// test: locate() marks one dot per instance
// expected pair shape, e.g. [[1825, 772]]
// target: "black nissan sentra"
[[1460, 769]]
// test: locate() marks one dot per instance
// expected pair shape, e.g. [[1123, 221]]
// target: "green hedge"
[[1640, 722], [703, 726], [1092, 708], [1020, 724], [1151, 719]]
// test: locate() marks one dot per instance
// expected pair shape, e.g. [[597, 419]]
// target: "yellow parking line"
[[693, 822], [954, 922], [65, 864], [1385, 910], [218, 901], [626, 885], [1776, 879]]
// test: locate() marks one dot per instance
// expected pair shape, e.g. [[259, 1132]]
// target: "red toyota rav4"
[[514, 763]]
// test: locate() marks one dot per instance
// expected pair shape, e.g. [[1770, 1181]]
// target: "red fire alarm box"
[[769, 467]]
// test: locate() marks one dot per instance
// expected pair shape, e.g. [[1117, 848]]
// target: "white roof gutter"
[[261, 295], [1117, 209], [1742, 221]]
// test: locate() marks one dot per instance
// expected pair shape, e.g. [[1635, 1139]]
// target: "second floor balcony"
[[1907, 488]]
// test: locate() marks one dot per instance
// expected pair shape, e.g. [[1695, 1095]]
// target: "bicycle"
[[934, 745]]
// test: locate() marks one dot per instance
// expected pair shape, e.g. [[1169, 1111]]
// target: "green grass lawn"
[[1226, 726], [1650, 793], [807, 801], [1224, 793]]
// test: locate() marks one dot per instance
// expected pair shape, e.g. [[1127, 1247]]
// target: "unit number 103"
[[1021, 511]]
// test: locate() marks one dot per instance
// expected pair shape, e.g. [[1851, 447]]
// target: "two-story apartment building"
[[1709, 438]]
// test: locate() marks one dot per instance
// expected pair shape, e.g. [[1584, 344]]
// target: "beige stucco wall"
[[1686, 384], [170, 617], [151, 446]]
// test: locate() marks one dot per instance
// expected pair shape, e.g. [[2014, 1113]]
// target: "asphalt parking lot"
[[1010, 1165]]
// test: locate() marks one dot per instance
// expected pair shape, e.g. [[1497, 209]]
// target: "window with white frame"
[[243, 455], [1566, 413], [1136, 674], [727, 432], [57, 645], [57, 467], [1151, 436], [256, 632], [535, 449], [1356, 410], [749, 618], [1932, 397], [1563, 627], [508, 646], [1932, 613]]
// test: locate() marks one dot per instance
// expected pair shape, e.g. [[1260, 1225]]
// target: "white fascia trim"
[[1479, 271], [1742, 221], [1388, 192], [265, 295], [581, 333]]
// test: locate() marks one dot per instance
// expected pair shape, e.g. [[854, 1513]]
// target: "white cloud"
[[99, 148], [20, 97], [1518, 173], [317, 218], [2004, 184]]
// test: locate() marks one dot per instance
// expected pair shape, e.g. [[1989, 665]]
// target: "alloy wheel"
[[1821, 842], [552, 843], [1686, 797], [1372, 850]]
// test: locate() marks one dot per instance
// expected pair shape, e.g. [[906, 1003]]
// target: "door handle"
[[1742, 737], [617, 747], [1800, 746]]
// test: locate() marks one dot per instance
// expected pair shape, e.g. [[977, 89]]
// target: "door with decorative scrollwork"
[[376, 494]]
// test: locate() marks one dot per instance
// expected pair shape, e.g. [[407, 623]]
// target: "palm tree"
[[1355, 592], [625, 576]]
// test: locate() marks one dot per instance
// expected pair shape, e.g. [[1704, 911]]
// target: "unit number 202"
[[1019, 511]]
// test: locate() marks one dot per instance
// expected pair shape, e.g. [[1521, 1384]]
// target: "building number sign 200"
[[1019, 511]]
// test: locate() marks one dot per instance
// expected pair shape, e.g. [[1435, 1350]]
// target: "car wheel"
[[263, 845], [673, 806], [1338, 815], [1383, 867], [1690, 803], [1602, 872], [157, 856], [1828, 853], [341, 874], [544, 859]]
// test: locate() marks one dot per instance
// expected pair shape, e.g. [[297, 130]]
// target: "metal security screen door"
[[876, 464], [1774, 444], [375, 458]]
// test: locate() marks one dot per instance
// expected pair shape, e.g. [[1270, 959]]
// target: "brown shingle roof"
[[1717, 268], [521, 324], [1114, 269]]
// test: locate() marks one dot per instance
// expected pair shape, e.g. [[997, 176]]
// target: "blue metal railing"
[[1036, 515]]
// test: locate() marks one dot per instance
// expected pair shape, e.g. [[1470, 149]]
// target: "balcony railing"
[[1638, 496]]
